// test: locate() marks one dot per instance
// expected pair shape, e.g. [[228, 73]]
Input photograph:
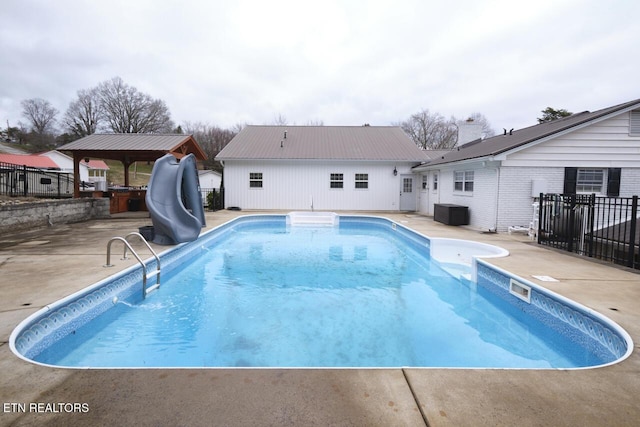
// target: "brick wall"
[[515, 205]]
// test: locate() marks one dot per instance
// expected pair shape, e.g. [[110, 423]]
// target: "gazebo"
[[129, 148]]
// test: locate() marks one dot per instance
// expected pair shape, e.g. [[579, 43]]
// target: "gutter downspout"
[[497, 201]]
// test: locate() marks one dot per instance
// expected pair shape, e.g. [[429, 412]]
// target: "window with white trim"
[[362, 180], [336, 180], [435, 182], [425, 182], [590, 181], [255, 179], [463, 181]]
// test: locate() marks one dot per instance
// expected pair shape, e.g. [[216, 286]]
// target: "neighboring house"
[[31, 174], [209, 179], [92, 171], [321, 168], [499, 178]]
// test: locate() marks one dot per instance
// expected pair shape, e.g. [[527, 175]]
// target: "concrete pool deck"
[[45, 265]]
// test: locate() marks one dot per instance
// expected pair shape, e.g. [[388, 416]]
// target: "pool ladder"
[[145, 275]]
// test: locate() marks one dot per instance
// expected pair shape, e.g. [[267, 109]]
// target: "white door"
[[407, 193]]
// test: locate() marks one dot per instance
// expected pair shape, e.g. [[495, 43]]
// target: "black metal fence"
[[213, 198], [607, 228], [24, 181]]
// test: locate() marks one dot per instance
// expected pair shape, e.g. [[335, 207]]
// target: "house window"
[[634, 123], [362, 180], [425, 182], [255, 180], [463, 181], [407, 185], [590, 181], [435, 182], [337, 180]]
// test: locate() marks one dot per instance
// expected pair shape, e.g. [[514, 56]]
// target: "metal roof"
[[322, 143], [137, 146], [30, 160], [95, 164], [125, 141], [502, 143]]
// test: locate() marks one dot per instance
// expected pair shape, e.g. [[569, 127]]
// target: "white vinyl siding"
[[607, 144], [292, 185]]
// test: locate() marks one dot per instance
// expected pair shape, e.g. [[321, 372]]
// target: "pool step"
[[330, 219]]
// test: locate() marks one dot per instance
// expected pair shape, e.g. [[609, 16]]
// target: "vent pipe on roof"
[[285, 134], [281, 143]]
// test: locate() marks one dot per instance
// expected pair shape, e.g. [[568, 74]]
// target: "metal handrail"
[[157, 273], [145, 291]]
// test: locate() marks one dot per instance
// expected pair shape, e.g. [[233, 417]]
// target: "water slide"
[[174, 201]]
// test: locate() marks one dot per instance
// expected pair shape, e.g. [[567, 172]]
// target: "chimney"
[[468, 130]]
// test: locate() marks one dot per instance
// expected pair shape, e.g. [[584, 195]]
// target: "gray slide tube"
[[174, 201]]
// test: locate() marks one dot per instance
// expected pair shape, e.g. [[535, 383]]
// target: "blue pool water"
[[265, 294]]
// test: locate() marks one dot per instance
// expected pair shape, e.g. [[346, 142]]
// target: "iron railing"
[[605, 228], [213, 198], [25, 181]]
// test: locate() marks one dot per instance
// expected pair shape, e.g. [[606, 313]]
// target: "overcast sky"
[[339, 62]]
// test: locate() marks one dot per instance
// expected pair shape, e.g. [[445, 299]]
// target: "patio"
[[44, 265]]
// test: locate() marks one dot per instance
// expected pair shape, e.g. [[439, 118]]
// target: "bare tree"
[[280, 120], [40, 114], [431, 131], [212, 139], [83, 115], [487, 130], [126, 110]]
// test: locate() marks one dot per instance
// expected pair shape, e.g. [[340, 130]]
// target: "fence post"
[[540, 208], [572, 221], [25, 180], [591, 211], [632, 232]]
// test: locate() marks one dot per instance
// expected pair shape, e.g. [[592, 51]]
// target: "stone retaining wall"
[[22, 216]]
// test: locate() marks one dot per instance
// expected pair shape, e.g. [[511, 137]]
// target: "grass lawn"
[[139, 173]]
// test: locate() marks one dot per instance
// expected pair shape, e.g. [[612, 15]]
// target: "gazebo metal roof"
[[130, 148]]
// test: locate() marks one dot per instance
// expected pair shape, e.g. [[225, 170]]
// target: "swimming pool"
[[364, 292]]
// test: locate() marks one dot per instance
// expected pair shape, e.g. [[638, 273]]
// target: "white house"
[[209, 179], [499, 178], [93, 171], [321, 168]]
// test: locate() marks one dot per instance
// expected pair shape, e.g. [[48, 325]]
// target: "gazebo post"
[[76, 175], [126, 164]]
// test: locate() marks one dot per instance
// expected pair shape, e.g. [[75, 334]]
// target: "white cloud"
[[339, 62]]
